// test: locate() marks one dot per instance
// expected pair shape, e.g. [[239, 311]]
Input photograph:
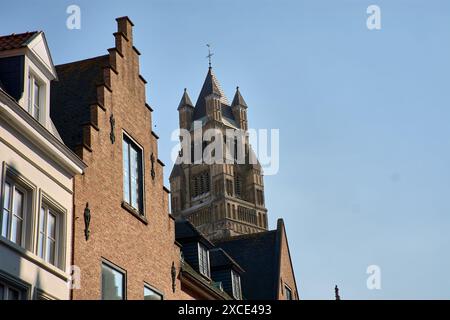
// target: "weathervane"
[[210, 54]]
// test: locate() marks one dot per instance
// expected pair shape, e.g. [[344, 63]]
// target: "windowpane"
[[51, 225], [41, 234], [288, 293], [41, 245], [126, 172], [132, 177], [112, 284], [51, 250], [7, 196], [150, 294], [5, 223], [18, 203], [16, 230], [13, 294], [42, 220], [236, 282], [36, 101], [6, 210], [203, 261]]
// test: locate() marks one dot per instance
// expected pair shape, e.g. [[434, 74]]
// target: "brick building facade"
[[99, 106]]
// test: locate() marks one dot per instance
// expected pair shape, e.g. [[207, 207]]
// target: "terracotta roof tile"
[[15, 41]]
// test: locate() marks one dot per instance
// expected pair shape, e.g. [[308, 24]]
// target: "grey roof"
[[72, 96], [211, 86], [258, 255], [185, 231], [219, 259], [185, 100], [238, 100]]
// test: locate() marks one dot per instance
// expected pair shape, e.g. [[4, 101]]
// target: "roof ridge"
[[83, 60], [244, 236]]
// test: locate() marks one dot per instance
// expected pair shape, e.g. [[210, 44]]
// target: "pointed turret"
[[239, 108], [238, 100], [185, 111], [185, 100]]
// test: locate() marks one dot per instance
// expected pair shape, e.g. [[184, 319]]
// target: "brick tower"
[[220, 199]]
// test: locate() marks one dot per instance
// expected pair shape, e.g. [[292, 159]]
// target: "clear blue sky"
[[364, 117]]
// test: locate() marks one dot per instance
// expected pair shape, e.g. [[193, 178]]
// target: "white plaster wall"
[[46, 175]]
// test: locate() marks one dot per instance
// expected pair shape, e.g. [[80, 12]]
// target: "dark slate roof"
[[185, 231], [238, 100], [258, 255], [210, 86], [16, 41], [185, 100], [72, 96], [219, 259]]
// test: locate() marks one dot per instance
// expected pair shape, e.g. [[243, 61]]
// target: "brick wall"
[[145, 251], [287, 276]]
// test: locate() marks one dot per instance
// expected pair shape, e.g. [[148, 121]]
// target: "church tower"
[[220, 199]]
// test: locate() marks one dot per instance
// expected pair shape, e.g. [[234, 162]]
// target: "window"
[[238, 186], [236, 283], [13, 213], [113, 283], [260, 197], [34, 97], [150, 294], [8, 292], [203, 260], [200, 184], [48, 235], [288, 292], [229, 187], [132, 175]]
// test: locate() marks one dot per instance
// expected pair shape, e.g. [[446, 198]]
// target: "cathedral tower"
[[220, 199]]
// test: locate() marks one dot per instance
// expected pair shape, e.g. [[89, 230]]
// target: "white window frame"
[[237, 289], [13, 177], [48, 210], [132, 142], [60, 231], [15, 185], [201, 267], [34, 80]]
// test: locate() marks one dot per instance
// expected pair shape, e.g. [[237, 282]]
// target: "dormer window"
[[236, 282], [35, 96], [203, 260]]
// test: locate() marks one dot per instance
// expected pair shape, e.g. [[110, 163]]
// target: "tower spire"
[[210, 54]]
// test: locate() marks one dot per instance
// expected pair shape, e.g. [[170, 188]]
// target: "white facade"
[[36, 187]]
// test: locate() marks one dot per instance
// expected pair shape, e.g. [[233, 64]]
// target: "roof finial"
[[336, 293], [210, 54]]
